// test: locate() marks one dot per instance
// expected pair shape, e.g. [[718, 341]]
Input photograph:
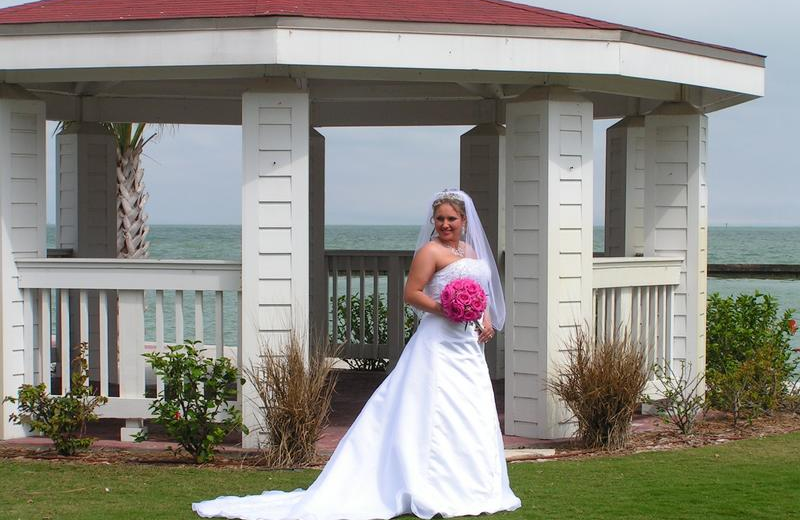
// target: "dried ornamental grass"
[[601, 382], [294, 399]]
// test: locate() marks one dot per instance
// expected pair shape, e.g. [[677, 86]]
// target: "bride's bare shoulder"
[[430, 250]]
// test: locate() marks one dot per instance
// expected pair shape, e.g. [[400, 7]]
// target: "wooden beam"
[[228, 111]]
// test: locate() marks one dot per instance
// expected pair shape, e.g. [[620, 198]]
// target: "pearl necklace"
[[458, 251]]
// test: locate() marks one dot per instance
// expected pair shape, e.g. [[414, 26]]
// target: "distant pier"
[[767, 271]]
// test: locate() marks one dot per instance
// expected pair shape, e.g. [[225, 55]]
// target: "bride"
[[428, 441]]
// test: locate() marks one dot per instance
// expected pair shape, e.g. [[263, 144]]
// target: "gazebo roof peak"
[[478, 12]]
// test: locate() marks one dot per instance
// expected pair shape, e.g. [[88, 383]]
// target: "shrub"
[[368, 364], [196, 407], [293, 398], [791, 402], [601, 382], [682, 401], [749, 360], [61, 418]]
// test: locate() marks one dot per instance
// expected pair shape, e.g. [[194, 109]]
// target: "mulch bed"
[[714, 429]]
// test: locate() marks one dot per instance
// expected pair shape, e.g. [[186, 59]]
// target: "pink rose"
[[448, 294], [463, 298], [478, 302]]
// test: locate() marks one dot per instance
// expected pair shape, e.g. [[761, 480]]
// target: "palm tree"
[[132, 228]]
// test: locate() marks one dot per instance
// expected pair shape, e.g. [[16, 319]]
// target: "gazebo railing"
[[356, 280], [634, 296], [122, 309]]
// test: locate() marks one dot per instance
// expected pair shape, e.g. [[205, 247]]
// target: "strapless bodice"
[[461, 268]]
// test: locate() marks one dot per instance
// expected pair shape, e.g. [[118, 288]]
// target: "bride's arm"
[[422, 269]]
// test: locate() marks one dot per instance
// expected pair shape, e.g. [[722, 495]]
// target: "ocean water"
[[762, 245]]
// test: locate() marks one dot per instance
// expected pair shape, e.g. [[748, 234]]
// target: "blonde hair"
[[453, 200]]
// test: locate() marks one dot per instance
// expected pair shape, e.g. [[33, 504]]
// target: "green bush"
[[371, 364], [61, 418], [196, 407], [749, 360]]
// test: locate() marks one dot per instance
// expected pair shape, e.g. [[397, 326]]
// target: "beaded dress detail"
[[461, 268]]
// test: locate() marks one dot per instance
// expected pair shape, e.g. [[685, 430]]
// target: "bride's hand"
[[488, 332]]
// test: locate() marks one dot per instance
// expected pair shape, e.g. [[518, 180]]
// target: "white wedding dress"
[[427, 442]]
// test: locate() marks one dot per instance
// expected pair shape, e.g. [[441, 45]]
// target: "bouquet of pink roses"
[[463, 301]]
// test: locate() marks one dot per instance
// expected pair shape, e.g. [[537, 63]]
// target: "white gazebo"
[[531, 81]]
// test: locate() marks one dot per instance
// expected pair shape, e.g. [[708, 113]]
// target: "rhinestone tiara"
[[448, 195]]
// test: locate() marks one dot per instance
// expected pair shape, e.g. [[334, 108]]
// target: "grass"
[[756, 478]]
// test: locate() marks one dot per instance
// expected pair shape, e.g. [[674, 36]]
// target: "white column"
[[86, 191], [482, 176], [676, 216], [275, 225], [548, 250], [318, 279], [625, 188], [23, 228], [86, 220]]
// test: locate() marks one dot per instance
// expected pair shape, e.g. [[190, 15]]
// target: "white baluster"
[[652, 325], [65, 351], [159, 335], [218, 329], [102, 329], [669, 313], [45, 338], [83, 317], [198, 317], [179, 335], [28, 305]]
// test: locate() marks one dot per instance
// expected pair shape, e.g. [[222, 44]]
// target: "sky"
[[384, 175]]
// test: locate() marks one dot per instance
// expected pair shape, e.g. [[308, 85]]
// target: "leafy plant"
[[601, 382], [294, 398], [369, 326], [749, 359], [739, 326], [196, 407], [61, 418], [683, 399]]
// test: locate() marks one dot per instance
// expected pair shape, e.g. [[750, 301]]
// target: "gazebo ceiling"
[[364, 62]]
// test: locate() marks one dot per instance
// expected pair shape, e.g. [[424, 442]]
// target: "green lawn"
[[757, 478]]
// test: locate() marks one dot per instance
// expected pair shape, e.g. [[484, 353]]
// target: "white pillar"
[[548, 250], [676, 216], [482, 176], [275, 224], [86, 221], [86, 191], [318, 279], [625, 188], [23, 230]]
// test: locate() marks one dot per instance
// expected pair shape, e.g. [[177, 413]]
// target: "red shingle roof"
[[488, 12]]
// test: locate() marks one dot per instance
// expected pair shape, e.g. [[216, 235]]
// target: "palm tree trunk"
[[132, 228]]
